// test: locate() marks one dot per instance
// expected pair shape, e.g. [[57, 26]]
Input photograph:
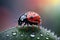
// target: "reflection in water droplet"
[[38, 38], [32, 35], [47, 38], [14, 33]]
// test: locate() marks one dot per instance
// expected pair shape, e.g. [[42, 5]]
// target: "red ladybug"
[[30, 18]]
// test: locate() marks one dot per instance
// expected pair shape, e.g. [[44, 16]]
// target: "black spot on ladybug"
[[31, 17]]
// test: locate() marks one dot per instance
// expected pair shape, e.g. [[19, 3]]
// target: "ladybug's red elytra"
[[30, 18], [33, 17]]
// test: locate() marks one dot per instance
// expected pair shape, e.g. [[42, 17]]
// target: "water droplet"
[[21, 35], [58, 38], [38, 38], [52, 33], [49, 31], [47, 38], [14, 33], [7, 35], [32, 35], [46, 29], [55, 36], [41, 34]]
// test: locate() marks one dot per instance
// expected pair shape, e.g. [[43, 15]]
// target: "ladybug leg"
[[40, 21], [23, 24], [38, 26], [27, 27], [33, 27]]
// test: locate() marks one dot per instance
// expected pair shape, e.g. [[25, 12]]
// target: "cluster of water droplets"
[[49, 31], [33, 35]]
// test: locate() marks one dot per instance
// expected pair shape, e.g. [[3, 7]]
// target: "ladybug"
[[30, 18]]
